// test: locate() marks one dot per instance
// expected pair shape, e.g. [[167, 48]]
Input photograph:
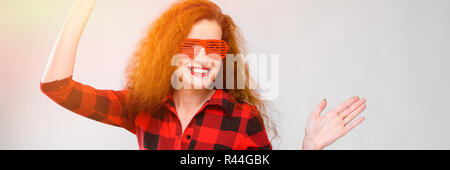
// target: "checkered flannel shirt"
[[221, 123]]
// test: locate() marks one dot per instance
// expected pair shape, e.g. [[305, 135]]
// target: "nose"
[[200, 54], [201, 58]]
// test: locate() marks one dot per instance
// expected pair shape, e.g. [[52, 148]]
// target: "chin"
[[203, 85], [197, 82]]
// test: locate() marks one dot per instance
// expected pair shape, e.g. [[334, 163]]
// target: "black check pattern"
[[220, 124]]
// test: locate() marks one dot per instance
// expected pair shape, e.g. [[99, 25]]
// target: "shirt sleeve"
[[106, 106], [255, 134]]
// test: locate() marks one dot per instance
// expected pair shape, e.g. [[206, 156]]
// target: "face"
[[200, 71]]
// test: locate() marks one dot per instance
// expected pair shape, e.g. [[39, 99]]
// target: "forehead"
[[205, 29]]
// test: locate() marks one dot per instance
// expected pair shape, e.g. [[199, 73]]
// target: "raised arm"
[[62, 58], [106, 106]]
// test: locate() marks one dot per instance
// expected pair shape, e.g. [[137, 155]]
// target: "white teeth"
[[200, 71]]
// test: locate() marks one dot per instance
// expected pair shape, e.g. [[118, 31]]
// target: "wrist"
[[310, 143], [82, 9], [79, 14]]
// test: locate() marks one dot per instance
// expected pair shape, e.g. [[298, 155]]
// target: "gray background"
[[395, 53]]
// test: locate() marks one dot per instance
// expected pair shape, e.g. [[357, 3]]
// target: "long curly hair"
[[149, 70]]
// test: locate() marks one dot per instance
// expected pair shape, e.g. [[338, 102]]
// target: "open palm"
[[322, 130]]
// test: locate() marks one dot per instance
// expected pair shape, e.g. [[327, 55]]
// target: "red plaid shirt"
[[220, 124]]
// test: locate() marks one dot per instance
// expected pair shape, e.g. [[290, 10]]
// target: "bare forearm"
[[62, 58]]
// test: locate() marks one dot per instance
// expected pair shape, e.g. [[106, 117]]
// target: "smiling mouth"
[[199, 71]]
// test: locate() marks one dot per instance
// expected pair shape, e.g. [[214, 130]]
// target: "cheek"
[[216, 66], [183, 63], [182, 70]]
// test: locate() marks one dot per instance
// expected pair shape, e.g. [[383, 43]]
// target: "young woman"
[[185, 47]]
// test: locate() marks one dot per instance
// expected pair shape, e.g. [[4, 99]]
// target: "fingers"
[[354, 124], [355, 113], [352, 108], [346, 104], [320, 108]]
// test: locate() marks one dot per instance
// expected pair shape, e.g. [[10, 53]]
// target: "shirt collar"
[[220, 98]]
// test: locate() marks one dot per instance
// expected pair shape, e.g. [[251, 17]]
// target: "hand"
[[323, 130]]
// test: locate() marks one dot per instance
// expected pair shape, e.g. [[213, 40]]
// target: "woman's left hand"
[[322, 131]]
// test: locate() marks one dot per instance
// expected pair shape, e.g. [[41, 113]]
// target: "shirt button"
[[188, 137]]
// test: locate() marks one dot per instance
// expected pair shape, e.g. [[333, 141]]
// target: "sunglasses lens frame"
[[191, 47]]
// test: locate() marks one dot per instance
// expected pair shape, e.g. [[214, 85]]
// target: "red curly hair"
[[149, 70]]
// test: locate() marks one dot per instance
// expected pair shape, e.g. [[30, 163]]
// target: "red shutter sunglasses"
[[190, 47]]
